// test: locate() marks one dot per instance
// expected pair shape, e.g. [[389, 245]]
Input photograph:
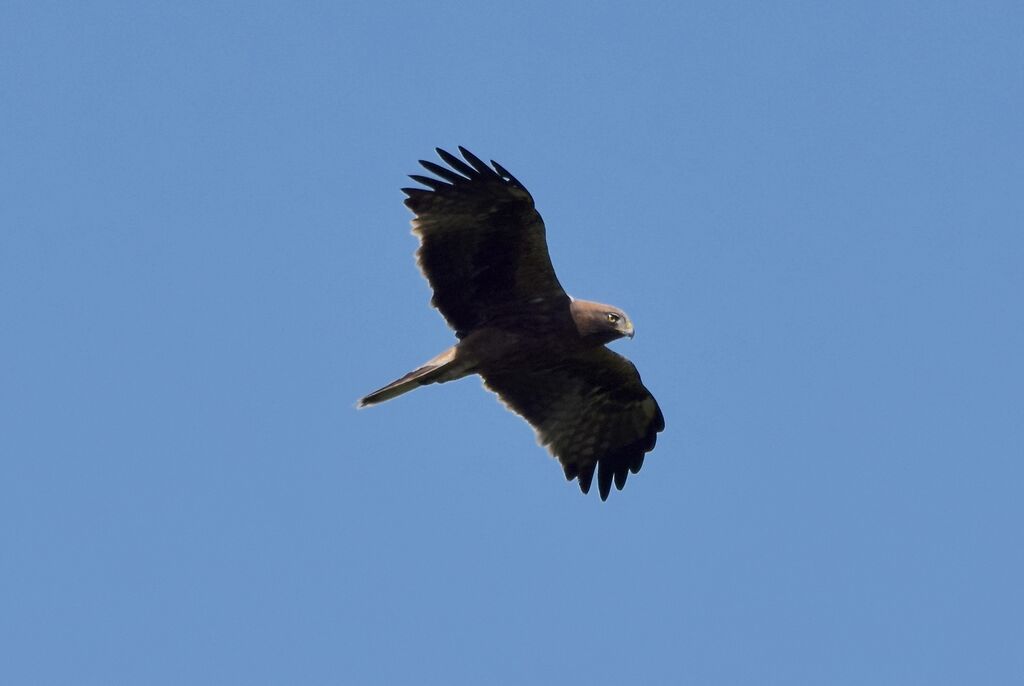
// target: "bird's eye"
[[613, 318]]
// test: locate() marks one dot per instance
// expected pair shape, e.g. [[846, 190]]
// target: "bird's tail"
[[442, 368]]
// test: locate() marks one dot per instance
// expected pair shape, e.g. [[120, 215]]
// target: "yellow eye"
[[613, 318]]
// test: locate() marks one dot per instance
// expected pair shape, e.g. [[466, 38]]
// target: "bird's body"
[[484, 252]]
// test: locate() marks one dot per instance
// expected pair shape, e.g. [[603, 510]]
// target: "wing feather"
[[591, 411], [477, 163], [433, 184], [443, 172], [455, 163]]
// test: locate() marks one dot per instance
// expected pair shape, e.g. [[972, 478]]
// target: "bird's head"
[[599, 322]]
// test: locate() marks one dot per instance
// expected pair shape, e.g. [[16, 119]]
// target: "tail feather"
[[438, 370]]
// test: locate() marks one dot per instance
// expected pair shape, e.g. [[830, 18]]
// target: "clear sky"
[[812, 211]]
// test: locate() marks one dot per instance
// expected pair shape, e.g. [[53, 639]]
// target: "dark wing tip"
[[605, 471], [457, 164], [507, 175], [433, 184], [444, 172], [477, 163], [586, 477], [620, 476], [417, 198]]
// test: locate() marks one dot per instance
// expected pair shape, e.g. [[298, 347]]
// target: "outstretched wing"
[[482, 244], [591, 411]]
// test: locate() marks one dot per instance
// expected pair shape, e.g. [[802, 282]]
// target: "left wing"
[[592, 411], [482, 243]]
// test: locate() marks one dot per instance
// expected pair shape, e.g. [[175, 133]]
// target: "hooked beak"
[[630, 332]]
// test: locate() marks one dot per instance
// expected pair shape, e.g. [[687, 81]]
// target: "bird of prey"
[[484, 252]]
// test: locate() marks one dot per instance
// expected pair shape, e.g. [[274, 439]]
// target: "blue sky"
[[812, 212]]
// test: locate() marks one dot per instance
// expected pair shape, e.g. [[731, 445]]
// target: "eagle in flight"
[[483, 250]]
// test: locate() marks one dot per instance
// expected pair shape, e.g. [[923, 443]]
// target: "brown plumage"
[[484, 252]]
